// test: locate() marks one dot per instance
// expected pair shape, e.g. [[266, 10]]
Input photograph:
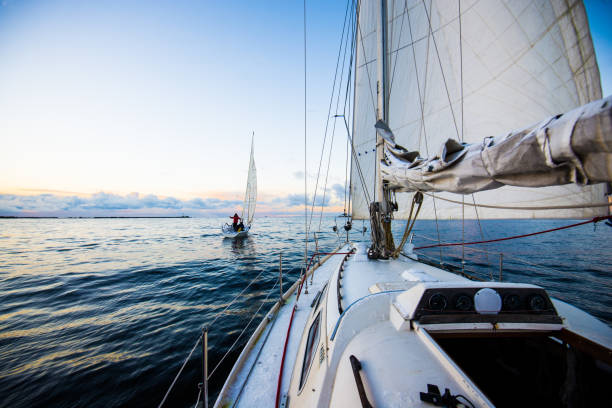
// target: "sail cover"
[[572, 148], [250, 196], [465, 70]]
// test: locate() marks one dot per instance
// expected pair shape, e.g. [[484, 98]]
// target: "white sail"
[[250, 195], [515, 63]]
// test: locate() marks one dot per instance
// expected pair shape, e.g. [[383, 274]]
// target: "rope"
[[418, 198], [502, 207], [450, 104], [199, 338], [280, 373], [325, 133], [242, 332], [305, 152], [198, 400], [234, 299], [179, 372], [594, 220], [462, 127]]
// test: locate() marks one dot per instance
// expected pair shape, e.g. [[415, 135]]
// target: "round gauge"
[[512, 301], [487, 301], [437, 302], [463, 302], [537, 302]]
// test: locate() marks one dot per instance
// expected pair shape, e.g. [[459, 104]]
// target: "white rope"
[[243, 330], [179, 373], [198, 400], [502, 207], [200, 337], [234, 299]]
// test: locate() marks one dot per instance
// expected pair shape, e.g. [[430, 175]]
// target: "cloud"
[[298, 175], [51, 203], [339, 191], [297, 200]]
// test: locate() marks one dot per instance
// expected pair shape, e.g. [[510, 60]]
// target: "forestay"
[[250, 195], [470, 69]]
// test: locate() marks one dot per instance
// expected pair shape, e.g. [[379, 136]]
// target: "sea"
[[103, 312]]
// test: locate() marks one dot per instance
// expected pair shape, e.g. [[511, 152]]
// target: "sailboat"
[[250, 200], [496, 104]]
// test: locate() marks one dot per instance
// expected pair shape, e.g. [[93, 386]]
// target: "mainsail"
[[466, 70], [250, 195]]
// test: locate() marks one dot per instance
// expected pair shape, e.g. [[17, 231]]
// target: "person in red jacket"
[[236, 218]]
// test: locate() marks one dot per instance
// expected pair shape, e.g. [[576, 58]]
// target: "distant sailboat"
[[250, 200]]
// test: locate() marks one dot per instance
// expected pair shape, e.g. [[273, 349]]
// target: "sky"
[[148, 107]]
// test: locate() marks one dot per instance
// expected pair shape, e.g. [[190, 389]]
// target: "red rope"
[[596, 219], [280, 373]]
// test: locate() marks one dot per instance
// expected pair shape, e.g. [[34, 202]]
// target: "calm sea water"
[[102, 312]]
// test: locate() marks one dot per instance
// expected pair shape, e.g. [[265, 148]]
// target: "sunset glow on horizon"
[[145, 108]]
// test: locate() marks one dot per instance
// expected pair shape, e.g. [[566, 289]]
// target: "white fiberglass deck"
[[256, 381], [398, 361]]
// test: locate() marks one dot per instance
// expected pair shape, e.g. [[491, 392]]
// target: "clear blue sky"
[[150, 105]]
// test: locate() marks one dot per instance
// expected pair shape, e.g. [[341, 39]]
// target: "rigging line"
[[353, 56], [450, 105], [354, 153], [236, 297], [333, 136], [305, 153], [593, 220], [331, 145], [331, 99], [348, 87], [198, 400], [461, 85], [503, 207], [364, 56], [346, 162], [479, 223], [217, 316], [179, 372], [357, 165], [351, 86], [506, 256], [243, 330], [422, 129], [399, 38]]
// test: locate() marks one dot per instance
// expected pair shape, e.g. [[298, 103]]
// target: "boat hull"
[[228, 232]]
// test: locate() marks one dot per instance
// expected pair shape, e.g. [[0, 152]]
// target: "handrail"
[[356, 366]]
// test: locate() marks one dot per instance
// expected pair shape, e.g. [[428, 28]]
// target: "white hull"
[[228, 232], [399, 355]]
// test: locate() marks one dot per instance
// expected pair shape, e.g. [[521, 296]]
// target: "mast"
[[380, 210], [381, 92]]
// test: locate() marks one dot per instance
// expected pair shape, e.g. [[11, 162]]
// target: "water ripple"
[[103, 312]]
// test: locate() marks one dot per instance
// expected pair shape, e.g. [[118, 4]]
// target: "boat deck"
[[256, 376], [397, 361]]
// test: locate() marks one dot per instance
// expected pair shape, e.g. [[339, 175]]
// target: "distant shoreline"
[[86, 218]]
